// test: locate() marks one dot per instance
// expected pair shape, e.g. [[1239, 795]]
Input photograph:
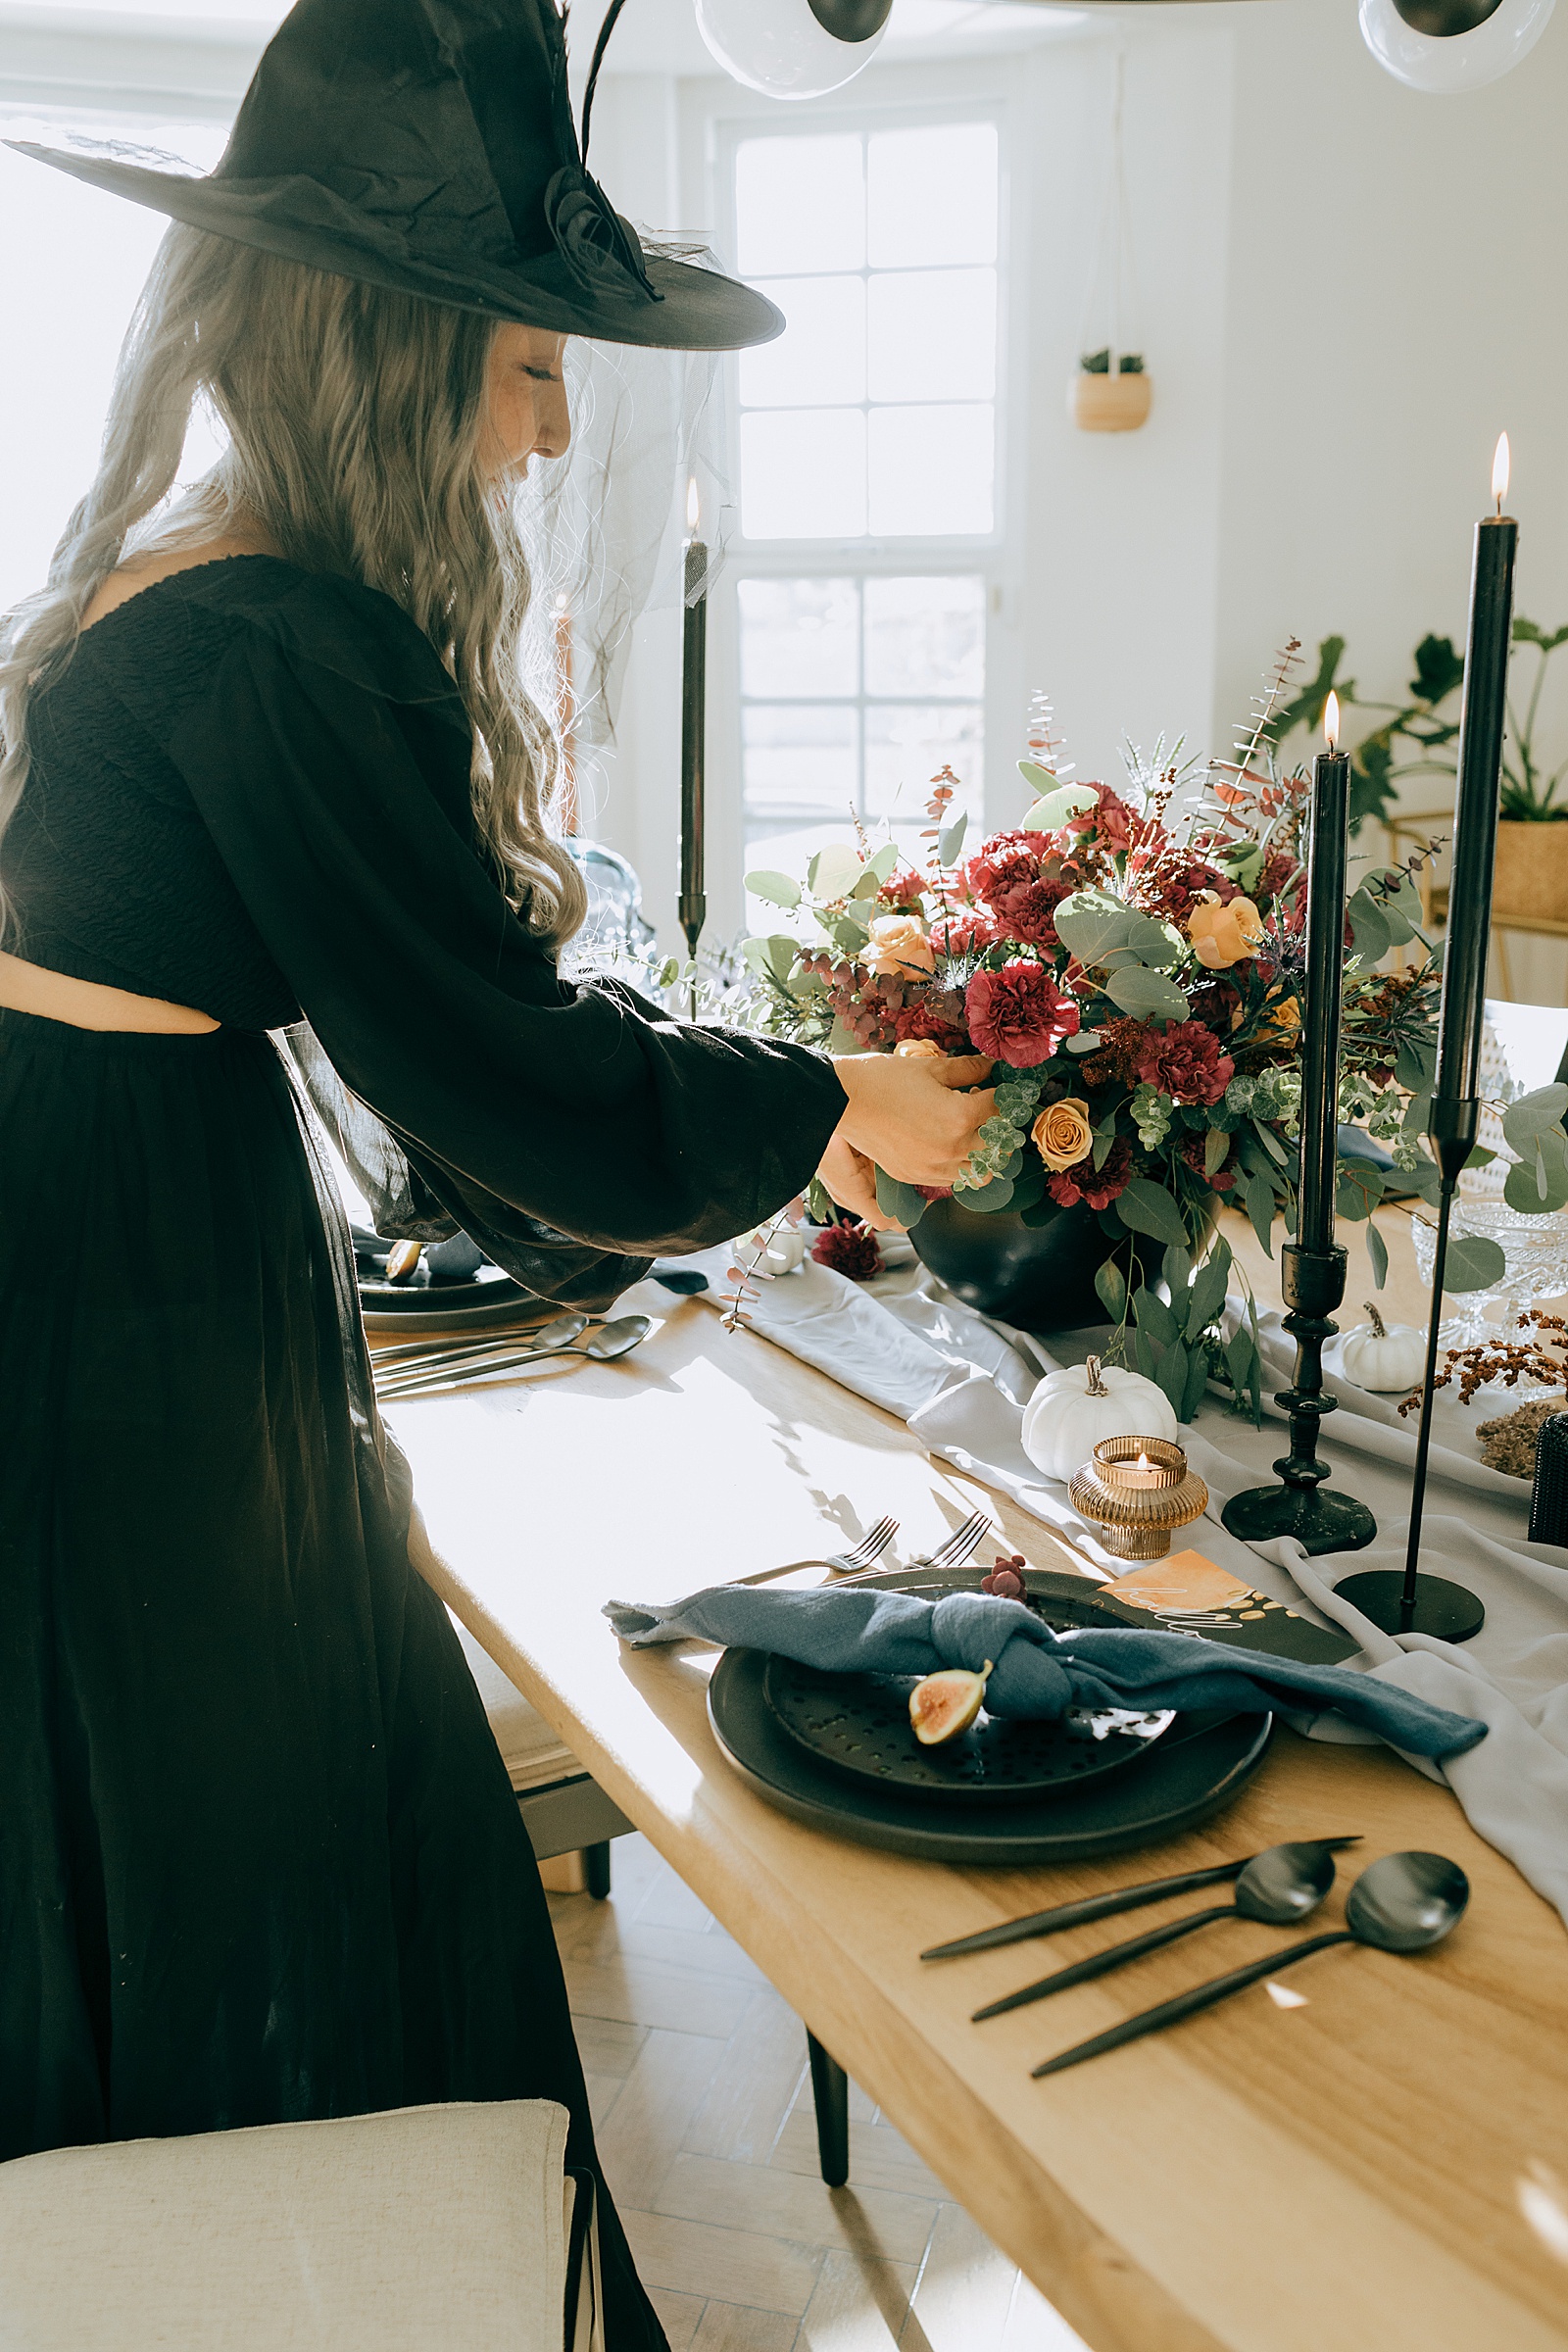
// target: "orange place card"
[[1185, 1580]]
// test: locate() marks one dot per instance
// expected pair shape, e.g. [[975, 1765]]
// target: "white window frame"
[[727, 116]]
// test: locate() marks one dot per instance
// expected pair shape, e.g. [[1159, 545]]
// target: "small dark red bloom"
[[1186, 1063], [1023, 882], [1099, 1187], [1018, 1016], [1005, 1578], [965, 932], [1192, 1148], [848, 1249], [920, 1022]]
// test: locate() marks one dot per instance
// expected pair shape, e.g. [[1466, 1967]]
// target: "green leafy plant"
[[1419, 737], [1098, 363]]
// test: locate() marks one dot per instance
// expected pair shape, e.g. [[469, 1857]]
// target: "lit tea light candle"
[[1157, 1464], [1135, 1492]]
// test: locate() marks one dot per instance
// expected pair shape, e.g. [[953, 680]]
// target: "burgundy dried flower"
[[1186, 1063], [850, 1249], [1018, 1016], [1099, 1187], [1005, 1578]]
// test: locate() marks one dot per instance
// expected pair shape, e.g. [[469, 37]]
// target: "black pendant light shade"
[[856, 20], [1441, 19]]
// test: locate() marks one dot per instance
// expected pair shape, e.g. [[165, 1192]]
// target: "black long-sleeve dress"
[[259, 1858]]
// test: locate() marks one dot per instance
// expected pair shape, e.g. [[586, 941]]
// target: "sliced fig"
[[942, 1705]]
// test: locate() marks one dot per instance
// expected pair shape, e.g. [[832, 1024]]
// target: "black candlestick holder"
[[1413, 1603], [1313, 1286]]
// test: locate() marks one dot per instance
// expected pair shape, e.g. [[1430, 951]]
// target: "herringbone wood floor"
[[697, 2071]]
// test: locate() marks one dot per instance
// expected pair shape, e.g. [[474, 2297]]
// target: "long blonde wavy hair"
[[355, 420]]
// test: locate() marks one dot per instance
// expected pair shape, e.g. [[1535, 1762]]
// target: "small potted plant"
[[1111, 393]]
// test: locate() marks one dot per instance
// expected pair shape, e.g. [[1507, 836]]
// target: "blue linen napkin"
[[1036, 1672]]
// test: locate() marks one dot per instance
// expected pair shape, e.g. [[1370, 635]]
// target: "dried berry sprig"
[[742, 1297]]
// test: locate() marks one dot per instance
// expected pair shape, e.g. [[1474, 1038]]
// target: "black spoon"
[[1278, 1886], [1403, 1903]]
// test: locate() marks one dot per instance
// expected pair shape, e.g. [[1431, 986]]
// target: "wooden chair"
[[563, 1806], [455, 2227]]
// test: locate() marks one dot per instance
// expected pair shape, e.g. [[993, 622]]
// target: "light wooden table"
[[1345, 2177]]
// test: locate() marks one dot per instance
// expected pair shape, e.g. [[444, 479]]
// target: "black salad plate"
[[858, 1724], [492, 1298], [1198, 1764]]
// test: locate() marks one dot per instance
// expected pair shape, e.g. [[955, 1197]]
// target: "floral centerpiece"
[[1133, 963]]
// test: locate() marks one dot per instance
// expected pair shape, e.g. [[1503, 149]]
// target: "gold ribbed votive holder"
[[1137, 1491]]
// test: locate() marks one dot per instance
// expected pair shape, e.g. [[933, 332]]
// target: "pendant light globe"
[[1445, 47], [793, 48]]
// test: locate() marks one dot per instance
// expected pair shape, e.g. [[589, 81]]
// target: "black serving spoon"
[[1278, 1886], [1403, 1903]]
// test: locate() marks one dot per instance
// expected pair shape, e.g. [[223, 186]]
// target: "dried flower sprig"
[[739, 1302], [1510, 1362]]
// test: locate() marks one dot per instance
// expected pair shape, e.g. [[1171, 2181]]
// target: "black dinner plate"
[[491, 1298], [1201, 1763]]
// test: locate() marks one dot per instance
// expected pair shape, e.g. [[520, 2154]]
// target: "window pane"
[[819, 360], [924, 636], [803, 472], [802, 762], [800, 204], [931, 196], [932, 335], [906, 746], [930, 472], [800, 637]]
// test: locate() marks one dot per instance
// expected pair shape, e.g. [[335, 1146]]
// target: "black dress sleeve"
[[570, 1128]]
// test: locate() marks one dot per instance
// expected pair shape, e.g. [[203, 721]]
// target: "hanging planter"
[[1100, 400], [1111, 393]]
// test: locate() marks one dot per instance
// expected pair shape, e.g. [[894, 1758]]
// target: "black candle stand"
[[1413, 1603], [1313, 1286]]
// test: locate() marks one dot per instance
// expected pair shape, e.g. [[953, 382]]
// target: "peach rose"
[[1062, 1134], [898, 948], [919, 1048], [1283, 1020], [1223, 935]]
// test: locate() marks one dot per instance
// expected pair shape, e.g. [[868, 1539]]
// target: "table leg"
[[596, 1870], [830, 2089]]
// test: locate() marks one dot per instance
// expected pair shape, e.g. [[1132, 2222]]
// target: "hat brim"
[[302, 220]]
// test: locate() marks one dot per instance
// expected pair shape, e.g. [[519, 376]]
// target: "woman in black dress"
[[259, 1858]]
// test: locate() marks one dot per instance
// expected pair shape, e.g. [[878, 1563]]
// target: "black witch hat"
[[429, 146]]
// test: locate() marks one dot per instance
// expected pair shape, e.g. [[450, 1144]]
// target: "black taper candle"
[[1326, 861], [1434, 1604], [1313, 1267], [693, 903]]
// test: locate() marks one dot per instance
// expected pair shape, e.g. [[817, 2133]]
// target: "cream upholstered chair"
[[563, 1809], [451, 2226]]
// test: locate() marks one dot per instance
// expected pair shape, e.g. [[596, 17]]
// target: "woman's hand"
[[909, 1118]]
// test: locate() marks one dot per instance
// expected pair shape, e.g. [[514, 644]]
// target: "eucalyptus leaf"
[[884, 864], [949, 841], [1415, 1064], [1110, 1289], [1143, 1354], [1377, 1250], [1171, 1374], [1154, 1316], [1216, 1151], [1259, 1197], [777, 889], [901, 1200], [1270, 1143], [833, 872], [1146, 1207], [1093, 925], [1424, 1179], [1238, 1357], [1053, 808], [1029, 1187], [1358, 1189], [1368, 928], [1534, 1114], [1537, 1185], [1207, 1298], [1083, 1041], [1147, 995], [1475, 1262], [1178, 1273], [998, 1194], [1196, 1385]]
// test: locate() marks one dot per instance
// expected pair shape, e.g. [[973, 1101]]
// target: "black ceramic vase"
[[1040, 1277]]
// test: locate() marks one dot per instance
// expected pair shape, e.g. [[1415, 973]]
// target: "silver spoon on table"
[[610, 1341], [1404, 1903], [410, 1354], [1278, 1886]]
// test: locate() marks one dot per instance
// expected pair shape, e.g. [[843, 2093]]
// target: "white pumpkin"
[[1071, 1412], [1381, 1356], [783, 1251]]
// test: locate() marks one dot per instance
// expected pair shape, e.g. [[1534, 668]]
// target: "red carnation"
[[1111, 823], [965, 932], [848, 1249], [1018, 1016], [1186, 1063], [1009, 873], [922, 1020], [903, 891], [1098, 1187]]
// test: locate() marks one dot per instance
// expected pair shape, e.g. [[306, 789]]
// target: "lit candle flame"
[[693, 506], [1500, 471], [1143, 1462], [1331, 722]]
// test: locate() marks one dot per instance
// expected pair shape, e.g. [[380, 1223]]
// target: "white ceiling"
[[653, 37]]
